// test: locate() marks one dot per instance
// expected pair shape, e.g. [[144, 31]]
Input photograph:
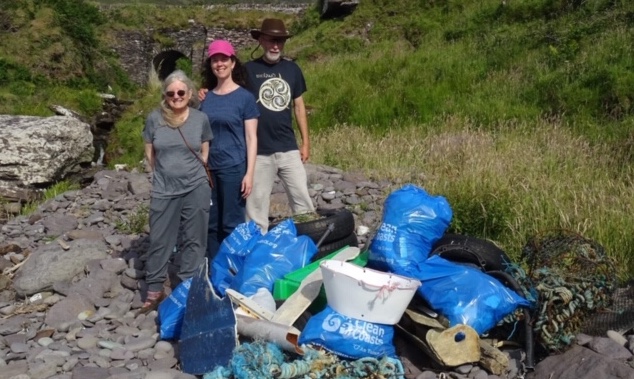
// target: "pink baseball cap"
[[221, 46]]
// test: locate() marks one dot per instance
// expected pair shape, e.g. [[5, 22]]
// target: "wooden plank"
[[300, 300], [249, 305]]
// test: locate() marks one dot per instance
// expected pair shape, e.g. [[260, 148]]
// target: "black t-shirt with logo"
[[274, 87]]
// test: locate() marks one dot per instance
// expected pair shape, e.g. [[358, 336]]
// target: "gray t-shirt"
[[176, 170]]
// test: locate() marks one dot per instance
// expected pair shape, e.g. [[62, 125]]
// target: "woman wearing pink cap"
[[233, 116]]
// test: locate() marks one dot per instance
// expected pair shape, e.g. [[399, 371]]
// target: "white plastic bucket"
[[366, 294]]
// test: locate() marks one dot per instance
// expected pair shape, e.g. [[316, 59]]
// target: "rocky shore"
[[72, 275]]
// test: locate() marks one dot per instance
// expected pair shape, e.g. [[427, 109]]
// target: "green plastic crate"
[[285, 287]]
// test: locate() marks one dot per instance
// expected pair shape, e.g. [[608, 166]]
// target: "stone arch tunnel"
[[164, 63]]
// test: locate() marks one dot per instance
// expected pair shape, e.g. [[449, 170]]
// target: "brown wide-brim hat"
[[273, 27]]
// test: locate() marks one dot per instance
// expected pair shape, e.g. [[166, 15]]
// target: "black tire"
[[342, 219], [331, 247], [465, 249]]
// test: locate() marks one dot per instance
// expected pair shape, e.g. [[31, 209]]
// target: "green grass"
[[506, 184], [48, 194], [134, 223], [477, 60]]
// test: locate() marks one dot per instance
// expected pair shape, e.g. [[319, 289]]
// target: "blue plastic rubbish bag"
[[231, 255], [274, 255], [412, 222], [172, 310], [466, 295], [348, 337]]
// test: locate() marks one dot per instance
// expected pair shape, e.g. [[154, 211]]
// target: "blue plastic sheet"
[[274, 255], [412, 222]]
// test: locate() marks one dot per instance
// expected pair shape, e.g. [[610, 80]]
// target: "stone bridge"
[[156, 51], [141, 54]]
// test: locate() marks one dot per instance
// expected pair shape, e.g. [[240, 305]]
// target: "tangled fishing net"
[[572, 277], [264, 360]]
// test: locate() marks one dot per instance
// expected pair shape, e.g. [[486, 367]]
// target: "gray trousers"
[[191, 211]]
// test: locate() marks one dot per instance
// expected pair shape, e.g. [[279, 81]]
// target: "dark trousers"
[[227, 209]]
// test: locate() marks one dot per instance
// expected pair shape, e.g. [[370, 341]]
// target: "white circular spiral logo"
[[331, 323], [275, 94]]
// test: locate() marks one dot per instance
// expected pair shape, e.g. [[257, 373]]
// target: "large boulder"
[[51, 263], [36, 151]]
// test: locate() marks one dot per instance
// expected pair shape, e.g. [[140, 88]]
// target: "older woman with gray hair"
[[177, 140]]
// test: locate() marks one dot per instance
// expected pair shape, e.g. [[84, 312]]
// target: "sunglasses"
[[275, 41], [180, 93]]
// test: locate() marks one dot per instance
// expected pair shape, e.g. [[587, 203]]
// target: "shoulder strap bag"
[[207, 170]]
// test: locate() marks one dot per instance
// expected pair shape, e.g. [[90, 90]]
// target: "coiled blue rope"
[[265, 360]]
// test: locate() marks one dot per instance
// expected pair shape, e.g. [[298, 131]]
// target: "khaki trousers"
[[289, 168]]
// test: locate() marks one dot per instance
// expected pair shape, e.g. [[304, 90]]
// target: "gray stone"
[[45, 341], [57, 224], [609, 348], [162, 364], [42, 370], [95, 285], [134, 274], [463, 369], [129, 375], [70, 364], [480, 374], [164, 346], [121, 354], [19, 347], [13, 369], [68, 310], [426, 375], [84, 234], [83, 372], [125, 330], [115, 265], [139, 343], [578, 360], [100, 361], [583, 339], [50, 264], [328, 195], [55, 360], [139, 184], [166, 374], [617, 337], [38, 150], [12, 325], [129, 283], [87, 343]]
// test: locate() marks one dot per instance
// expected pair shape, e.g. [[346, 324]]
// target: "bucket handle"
[[383, 291]]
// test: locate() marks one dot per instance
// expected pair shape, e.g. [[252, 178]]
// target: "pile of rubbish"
[[264, 307]]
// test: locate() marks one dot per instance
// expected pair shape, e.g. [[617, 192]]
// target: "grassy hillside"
[[478, 59], [518, 112]]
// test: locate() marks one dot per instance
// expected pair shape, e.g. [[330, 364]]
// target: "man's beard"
[[272, 57]]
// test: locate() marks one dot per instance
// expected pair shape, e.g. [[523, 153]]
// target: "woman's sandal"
[[152, 301]]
